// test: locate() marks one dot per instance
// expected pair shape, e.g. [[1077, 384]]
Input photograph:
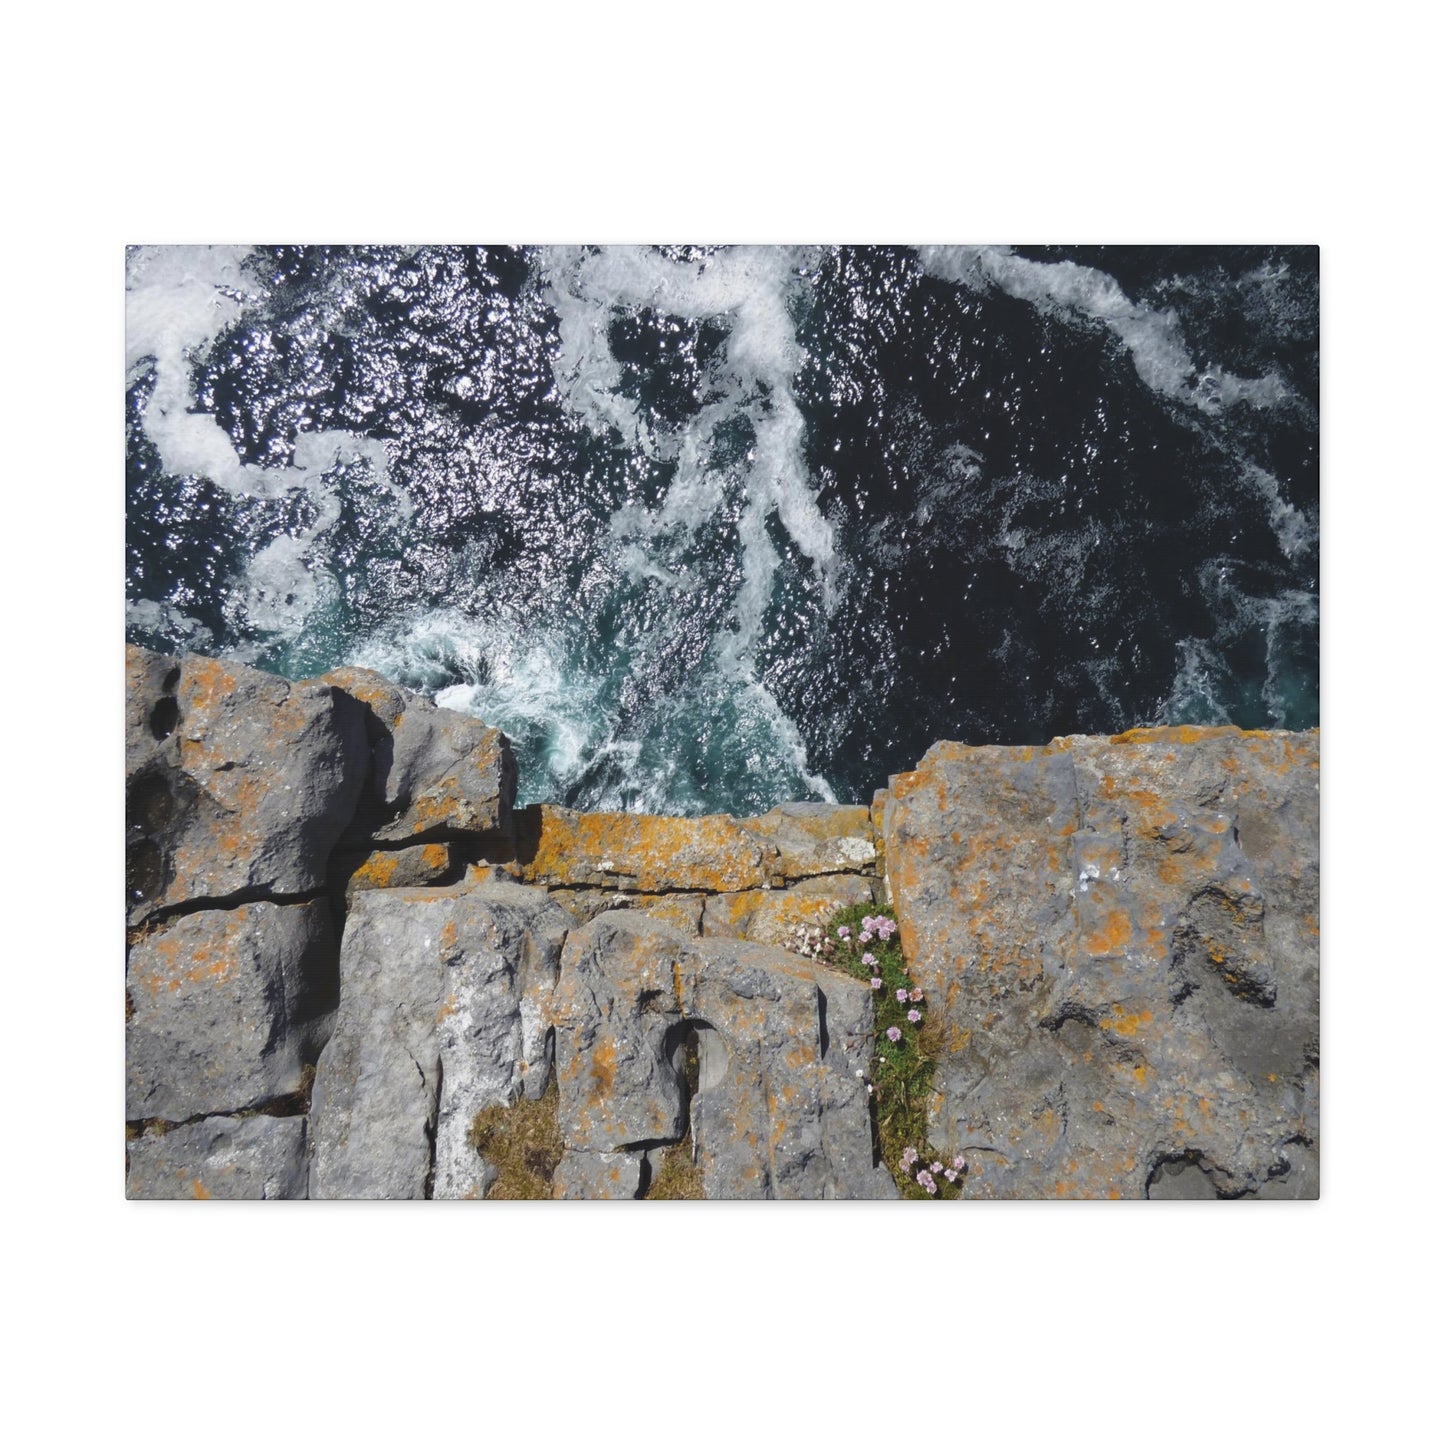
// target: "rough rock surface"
[[433, 770], [813, 838], [682, 910], [236, 781], [780, 1111], [419, 866], [771, 915], [443, 992], [630, 851], [1123, 934], [257, 1157], [225, 1007], [584, 1175]]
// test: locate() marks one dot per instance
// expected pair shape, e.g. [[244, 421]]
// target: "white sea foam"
[[1154, 339], [747, 290], [178, 300]]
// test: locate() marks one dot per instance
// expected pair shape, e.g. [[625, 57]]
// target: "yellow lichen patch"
[[602, 1069], [711, 855], [378, 870], [199, 1190], [1112, 935], [1185, 734], [1126, 1024]]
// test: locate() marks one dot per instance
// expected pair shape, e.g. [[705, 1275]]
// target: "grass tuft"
[[677, 1176], [523, 1143]]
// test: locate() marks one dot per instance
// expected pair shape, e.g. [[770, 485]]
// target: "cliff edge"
[[348, 950]]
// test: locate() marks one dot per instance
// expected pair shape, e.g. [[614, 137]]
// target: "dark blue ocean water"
[[703, 528]]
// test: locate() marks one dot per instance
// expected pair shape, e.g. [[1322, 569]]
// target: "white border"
[[1240, 122]]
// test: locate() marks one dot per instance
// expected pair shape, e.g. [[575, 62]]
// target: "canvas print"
[[695, 722]]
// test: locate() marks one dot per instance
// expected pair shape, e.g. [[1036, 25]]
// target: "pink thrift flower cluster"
[[895, 1033], [880, 927], [926, 1177]]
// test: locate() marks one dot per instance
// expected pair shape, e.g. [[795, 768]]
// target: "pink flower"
[[895, 1033], [884, 927], [914, 1016], [959, 1162], [909, 1155], [916, 995], [843, 932], [950, 1175], [876, 981], [936, 1167], [926, 1180], [870, 960], [865, 937], [902, 995]]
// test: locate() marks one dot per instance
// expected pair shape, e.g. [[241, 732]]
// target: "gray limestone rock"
[[780, 1109], [434, 771], [1123, 936], [614, 1010], [814, 838], [443, 1012], [585, 1175], [257, 1157], [225, 1007], [236, 780]]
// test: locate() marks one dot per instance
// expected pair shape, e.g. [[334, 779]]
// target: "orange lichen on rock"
[[714, 854]]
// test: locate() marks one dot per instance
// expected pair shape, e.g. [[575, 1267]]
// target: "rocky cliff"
[[352, 962]]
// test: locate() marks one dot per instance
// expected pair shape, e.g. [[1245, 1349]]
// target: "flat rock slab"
[[682, 910], [780, 1109], [814, 838], [258, 1157], [434, 771], [1123, 935], [236, 780], [771, 915], [716, 854], [443, 998], [225, 1007]]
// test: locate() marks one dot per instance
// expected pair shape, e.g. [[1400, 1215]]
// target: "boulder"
[[434, 771], [226, 1007], [257, 1157], [1122, 935], [779, 1109], [237, 782], [442, 1013]]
